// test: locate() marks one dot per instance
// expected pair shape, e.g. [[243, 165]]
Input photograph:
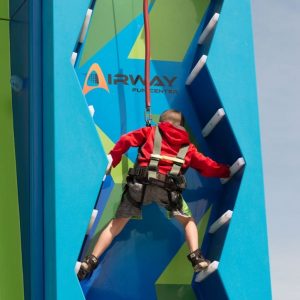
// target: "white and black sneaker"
[[198, 261], [88, 265]]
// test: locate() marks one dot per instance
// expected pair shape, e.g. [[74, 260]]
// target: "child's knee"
[[117, 225], [189, 220], [185, 220]]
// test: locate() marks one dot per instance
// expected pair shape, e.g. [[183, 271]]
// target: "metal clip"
[[148, 116]]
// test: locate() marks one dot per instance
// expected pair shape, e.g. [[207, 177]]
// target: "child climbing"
[[165, 153]]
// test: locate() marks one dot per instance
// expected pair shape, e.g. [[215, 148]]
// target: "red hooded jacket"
[[173, 138]]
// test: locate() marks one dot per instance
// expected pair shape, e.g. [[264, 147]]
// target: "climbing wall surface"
[[74, 159], [11, 276], [147, 260], [231, 67], [153, 252]]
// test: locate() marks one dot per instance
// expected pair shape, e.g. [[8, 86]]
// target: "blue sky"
[[276, 27]]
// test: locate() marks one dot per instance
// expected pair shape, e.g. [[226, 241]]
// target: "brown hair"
[[173, 116]]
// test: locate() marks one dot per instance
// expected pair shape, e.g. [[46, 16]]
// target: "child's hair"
[[173, 116]]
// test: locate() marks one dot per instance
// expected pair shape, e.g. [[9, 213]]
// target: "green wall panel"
[[168, 23], [105, 12], [11, 276], [4, 9]]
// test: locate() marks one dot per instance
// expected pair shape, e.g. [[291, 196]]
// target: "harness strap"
[[166, 157], [153, 165], [180, 160]]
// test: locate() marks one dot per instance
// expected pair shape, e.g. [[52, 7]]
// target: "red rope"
[[147, 60]]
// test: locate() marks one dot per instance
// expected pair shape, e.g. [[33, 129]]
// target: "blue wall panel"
[[74, 159], [231, 66]]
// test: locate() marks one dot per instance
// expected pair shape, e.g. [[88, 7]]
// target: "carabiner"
[[148, 116]]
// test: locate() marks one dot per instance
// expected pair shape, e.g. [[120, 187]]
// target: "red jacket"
[[173, 138]]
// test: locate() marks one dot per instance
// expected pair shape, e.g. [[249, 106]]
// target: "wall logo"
[[96, 77], [158, 84]]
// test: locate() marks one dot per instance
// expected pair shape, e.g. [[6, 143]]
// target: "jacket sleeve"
[[134, 138], [206, 166]]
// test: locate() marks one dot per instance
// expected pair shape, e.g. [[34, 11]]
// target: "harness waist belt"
[[143, 173], [168, 181]]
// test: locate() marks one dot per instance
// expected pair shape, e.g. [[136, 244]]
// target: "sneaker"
[[88, 265], [199, 263]]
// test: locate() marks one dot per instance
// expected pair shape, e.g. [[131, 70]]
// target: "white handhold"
[[110, 160], [77, 267], [239, 163], [224, 219], [85, 25], [108, 167], [210, 26], [203, 274], [73, 58], [213, 122], [92, 110], [200, 64], [92, 220]]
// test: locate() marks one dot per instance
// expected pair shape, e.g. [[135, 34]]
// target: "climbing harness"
[[173, 182], [178, 161], [148, 115], [151, 174]]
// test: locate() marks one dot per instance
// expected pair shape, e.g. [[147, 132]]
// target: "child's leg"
[[113, 228], [106, 237], [191, 231], [199, 263]]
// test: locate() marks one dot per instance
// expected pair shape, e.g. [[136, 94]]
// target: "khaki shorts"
[[131, 205]]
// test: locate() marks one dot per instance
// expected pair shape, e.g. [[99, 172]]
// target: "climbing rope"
[[148, 116]]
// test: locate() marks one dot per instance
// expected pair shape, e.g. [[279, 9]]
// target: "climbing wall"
[[202, 64]]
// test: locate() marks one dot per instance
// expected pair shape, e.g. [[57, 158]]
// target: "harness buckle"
[[176, 181], [152, 168], [178, 163], [155, 157]]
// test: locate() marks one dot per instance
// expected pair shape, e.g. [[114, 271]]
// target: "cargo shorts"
[[145, 194]]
